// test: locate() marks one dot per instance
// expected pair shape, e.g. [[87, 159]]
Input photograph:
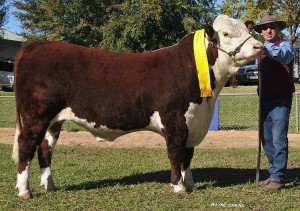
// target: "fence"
[[240, 112], [236, 112]]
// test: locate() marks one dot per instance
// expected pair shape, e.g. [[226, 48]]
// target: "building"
[[10, 43]]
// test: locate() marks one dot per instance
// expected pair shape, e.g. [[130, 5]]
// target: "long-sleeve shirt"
[[283, 53]]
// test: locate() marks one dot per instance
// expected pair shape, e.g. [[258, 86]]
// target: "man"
[[276, 92], [249, 25]]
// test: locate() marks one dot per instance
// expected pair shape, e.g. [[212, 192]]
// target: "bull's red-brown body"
[[111, 94]]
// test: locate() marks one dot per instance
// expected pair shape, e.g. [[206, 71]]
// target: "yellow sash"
[[202, 64]]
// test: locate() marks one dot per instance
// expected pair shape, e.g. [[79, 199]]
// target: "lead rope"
[[231, 53]]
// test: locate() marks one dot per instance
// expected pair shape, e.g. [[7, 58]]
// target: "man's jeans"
[[275, 121]]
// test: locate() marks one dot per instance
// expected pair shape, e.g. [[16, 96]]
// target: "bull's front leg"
[[186, 169], [176, 157], [176, 134]]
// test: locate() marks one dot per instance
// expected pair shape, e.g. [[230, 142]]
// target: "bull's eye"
[[226, 34]]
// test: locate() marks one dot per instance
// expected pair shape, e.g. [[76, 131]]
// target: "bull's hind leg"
[[186, 170], [45, 152], [30, 137]]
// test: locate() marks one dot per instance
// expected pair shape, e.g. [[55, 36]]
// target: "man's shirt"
[[284, 53]]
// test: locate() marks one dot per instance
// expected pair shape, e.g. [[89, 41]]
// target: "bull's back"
[[87, 68], [69, 69]]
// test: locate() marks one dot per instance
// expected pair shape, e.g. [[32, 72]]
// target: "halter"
[[231, 53]]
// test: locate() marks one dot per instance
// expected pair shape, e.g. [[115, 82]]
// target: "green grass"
[[138, 179], [238, 112], [7, 94], [7, 110]]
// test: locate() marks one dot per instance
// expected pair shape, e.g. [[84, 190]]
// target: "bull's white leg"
[[46, 173], [23, 177], [23, 183], [188, 180], [47, 179]]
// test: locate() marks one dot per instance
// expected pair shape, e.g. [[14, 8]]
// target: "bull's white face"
[[230, 33]]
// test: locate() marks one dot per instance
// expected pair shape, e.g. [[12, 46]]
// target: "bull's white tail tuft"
[[15, 153]]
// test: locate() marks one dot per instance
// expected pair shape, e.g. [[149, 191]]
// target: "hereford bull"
[[116, 93]]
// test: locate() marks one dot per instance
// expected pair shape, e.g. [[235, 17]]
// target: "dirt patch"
[[146, 139]]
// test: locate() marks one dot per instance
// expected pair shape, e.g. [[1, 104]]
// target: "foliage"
[[3, 13], [287, 10], [151, 24], [119, 25], [71, 21]]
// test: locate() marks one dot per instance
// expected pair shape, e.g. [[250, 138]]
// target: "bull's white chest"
[[198, 118]]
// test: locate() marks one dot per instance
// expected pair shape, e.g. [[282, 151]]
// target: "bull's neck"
[[187, 54], [219, 72], [187, 50], [212, 56]]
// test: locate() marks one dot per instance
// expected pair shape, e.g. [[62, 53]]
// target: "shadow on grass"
[[216, 177]]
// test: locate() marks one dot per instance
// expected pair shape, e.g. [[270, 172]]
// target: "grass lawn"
[[138, 179]]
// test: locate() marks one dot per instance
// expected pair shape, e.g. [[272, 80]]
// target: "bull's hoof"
[[27, 195], [189, 189], [178, 188], [49, 188], [52, 188], [49, 185], [182, 188]]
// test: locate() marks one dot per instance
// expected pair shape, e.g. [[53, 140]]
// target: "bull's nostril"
[[257, 47]]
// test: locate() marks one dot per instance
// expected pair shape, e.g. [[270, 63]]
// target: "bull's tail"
[[15, 153]]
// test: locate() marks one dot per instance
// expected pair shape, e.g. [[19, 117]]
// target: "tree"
[[287, 10], [73, 21], [3, 12], [120, 25], [143, 25]]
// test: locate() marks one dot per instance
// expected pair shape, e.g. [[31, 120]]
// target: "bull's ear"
[[209, 30]]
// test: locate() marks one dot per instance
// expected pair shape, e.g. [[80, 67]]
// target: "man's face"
[[250, 27], [270, 31]]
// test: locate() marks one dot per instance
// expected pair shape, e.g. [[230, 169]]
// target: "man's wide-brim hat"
[[269, 18]]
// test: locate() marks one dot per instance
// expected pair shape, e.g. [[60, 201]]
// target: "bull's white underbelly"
[[198, 118], [104, 133]]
